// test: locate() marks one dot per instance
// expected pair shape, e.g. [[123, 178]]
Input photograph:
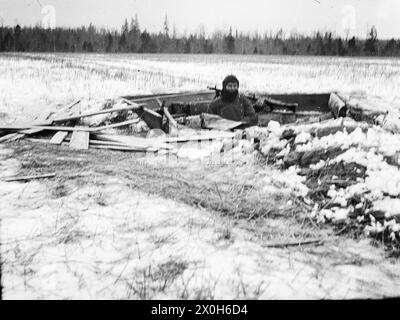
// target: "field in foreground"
[[144, 230], [112, 226]]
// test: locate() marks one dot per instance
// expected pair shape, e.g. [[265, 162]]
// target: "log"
[[79, 140], [337, 106], [25, 178]]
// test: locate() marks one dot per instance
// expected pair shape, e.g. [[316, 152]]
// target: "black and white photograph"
[[199, 150]]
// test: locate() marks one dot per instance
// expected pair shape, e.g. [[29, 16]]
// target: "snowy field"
[[32, 83], [101, 230]]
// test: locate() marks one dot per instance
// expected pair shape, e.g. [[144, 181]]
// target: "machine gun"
[[251, 97]]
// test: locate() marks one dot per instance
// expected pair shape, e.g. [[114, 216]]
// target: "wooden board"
[[121, 148], [203, 136], [26, 178], [134, 142], [25, 126], [132, 106], [65, 128], [79, 140], [59, 137], [212, 121], [9, 137]]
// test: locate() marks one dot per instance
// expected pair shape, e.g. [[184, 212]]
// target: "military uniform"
[[233, 106]]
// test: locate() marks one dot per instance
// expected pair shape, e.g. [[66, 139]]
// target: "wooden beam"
[[25, 178], [200, 137], [59, 137], [212, 121], [294, 243], [135, 142], [123, 148], [116, 125], [79, 140], [132, 106], [168, 95], [73, 104], [25, 126], [144, 108], [171, 120], [86, 129], [9, 137]]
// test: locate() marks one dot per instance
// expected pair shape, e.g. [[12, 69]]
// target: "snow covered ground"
[[103, 240], [34, 83], [108, 241]]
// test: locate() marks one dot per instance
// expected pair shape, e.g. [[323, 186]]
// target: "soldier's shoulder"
[[216, 101], [243, 98]]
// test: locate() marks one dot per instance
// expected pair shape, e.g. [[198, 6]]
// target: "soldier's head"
[[230, 88]]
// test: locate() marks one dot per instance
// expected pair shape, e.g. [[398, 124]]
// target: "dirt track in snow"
[[95, 237]]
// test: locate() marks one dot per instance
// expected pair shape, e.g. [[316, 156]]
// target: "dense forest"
[[131, 38]]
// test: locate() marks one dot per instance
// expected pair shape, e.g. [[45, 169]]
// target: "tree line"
[[132, 39]]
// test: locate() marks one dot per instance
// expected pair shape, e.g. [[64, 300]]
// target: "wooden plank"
[[73, 104], [23, 133], [26, 178], [86, 129], [8, 137], [171, 120], [25, 126], [167, 96], [200, 137], [59, 137], [146, 110], [30, 131], [122, 148], [79, 140], [116, 125], [212, 121], [132, 106], [136, 142], [294, 243], [152, 118]]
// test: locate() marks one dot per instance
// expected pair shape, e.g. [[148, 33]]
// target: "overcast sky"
[[304, 16]]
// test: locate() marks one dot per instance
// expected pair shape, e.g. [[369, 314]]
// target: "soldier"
[[231, 105]]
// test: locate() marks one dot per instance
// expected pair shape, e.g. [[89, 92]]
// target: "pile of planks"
[[58, 131], [80, 137]]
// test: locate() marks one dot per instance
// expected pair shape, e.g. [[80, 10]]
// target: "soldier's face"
[[232, 87]]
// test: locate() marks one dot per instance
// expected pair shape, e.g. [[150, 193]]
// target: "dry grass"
[[54, 80], [233, 191]]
